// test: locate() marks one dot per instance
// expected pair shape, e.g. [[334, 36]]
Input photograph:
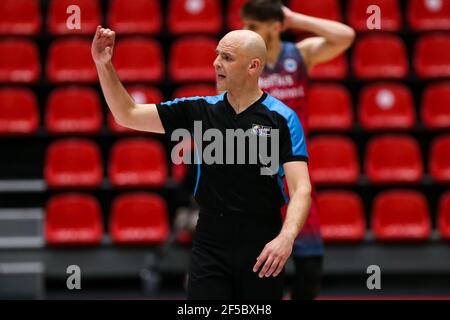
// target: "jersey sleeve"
[[292, 140], [180, 113]]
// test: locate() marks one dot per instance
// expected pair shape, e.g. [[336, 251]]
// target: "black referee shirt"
[[240, 188]]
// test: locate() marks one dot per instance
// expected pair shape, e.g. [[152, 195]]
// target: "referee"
[[240, 245]]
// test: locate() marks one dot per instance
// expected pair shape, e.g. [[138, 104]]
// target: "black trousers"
[[308, 274], [224, 251]]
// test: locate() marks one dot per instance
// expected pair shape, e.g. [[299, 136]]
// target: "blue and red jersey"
[[287, 81]]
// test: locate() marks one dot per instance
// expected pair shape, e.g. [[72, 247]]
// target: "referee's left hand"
[[274, 257]]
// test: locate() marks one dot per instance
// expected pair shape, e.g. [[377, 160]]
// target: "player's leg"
[[308, 276], [308, 256]]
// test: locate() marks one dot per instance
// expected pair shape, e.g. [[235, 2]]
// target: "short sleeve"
[[293, 141], [179, 113]]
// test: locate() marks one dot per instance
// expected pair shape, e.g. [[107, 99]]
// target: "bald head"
[[247, 43], [241, 56]]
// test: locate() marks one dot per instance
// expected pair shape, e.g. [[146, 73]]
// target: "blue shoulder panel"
[[210, 100], [293, 123]]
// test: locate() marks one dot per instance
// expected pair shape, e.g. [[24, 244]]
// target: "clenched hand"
[[103, 45]]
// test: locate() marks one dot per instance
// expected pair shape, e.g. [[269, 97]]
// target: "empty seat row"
[[333, 160], [137, 16], [396, 215], [422, 15], [191, 59], [77, 163], [388, 159], [74, 109], [135, 218], [385, 56], [368, 63], [136, 60], [381, 107], [24, 17], [141, 218]]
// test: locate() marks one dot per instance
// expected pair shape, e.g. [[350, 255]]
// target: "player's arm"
[[277, 252], [143, 117], [332, 39]]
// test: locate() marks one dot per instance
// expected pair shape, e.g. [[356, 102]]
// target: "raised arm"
[[332, 39], [142, 117]]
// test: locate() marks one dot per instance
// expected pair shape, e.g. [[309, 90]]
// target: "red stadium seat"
[[326, 9], [70, 60], [380, 56], [201, 90], [90, 16], [341, 216], [73, 219], [393, 159], [19, 61], [443, 221], [19, 112], [431, 58], [139, 218], [333, 160], [138, 162], [139, 60], [195, 16], [73, 110], [179, 172], [386, 106], [330, 108], [137, 16], [145, 94], [234, 21], [391, 18], [73, 163], [401, 215], [140, 94], [336, 69], [436, 106], [20, 17], [439, 164], [192, 59], [180, 168], [426, 15]]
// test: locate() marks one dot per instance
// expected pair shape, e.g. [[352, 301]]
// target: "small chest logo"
[[261, 131], [290, 65]]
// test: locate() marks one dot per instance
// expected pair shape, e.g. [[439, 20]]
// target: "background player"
[[286, 77]]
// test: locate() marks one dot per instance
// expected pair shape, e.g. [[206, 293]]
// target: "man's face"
[[267, 30], [230, 65]]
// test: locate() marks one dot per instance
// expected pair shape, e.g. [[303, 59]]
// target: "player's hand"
[[273, 257], [103, 45], [288, 16]]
